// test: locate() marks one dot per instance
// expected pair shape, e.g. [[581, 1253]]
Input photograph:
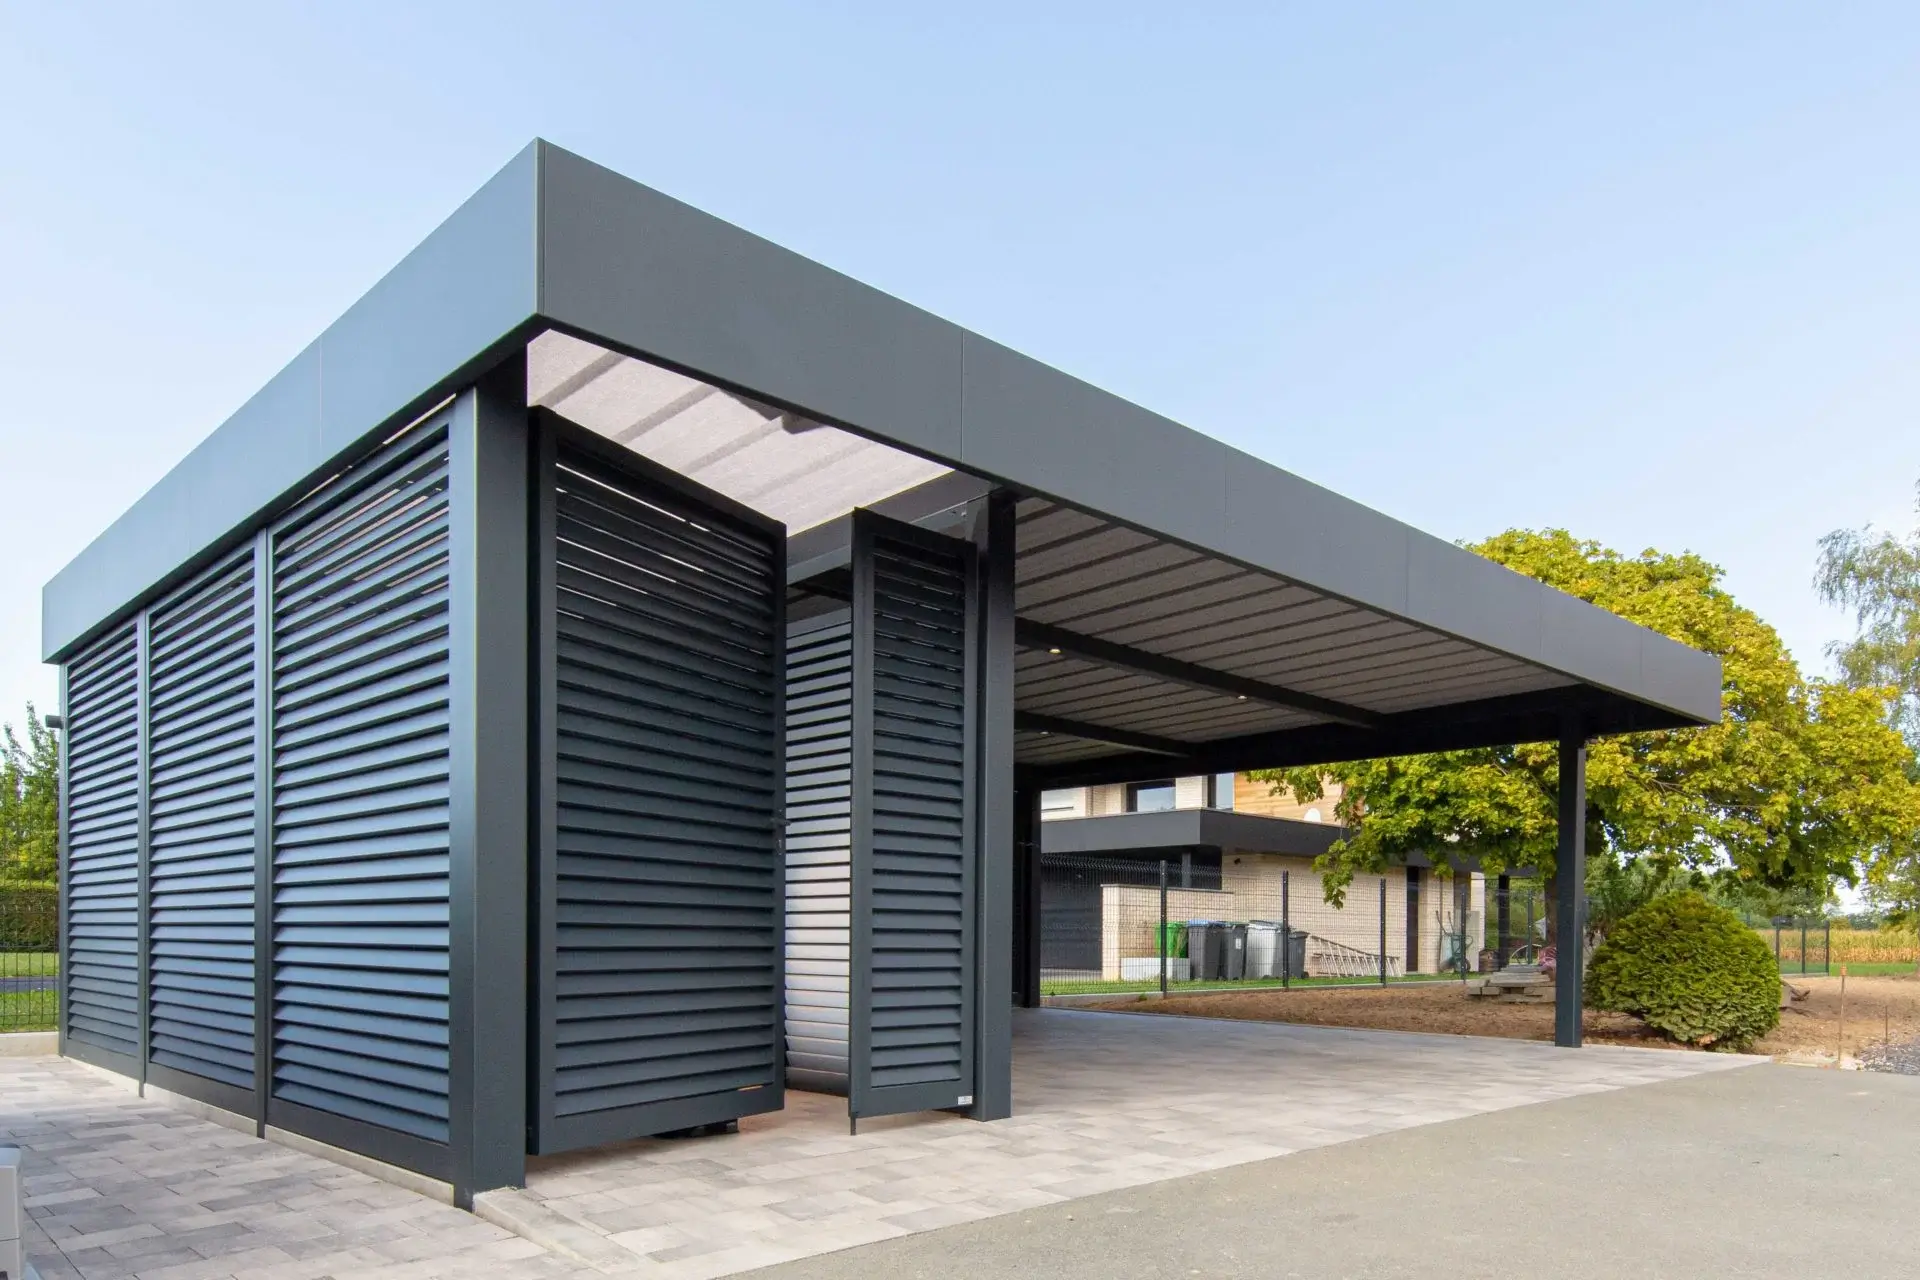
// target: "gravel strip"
[[1901, 1059]]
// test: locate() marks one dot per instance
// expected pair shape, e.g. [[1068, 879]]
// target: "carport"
[[608, 678]]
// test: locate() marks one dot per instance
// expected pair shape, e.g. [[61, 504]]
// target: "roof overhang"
[[1170, 829], [1211, 611]]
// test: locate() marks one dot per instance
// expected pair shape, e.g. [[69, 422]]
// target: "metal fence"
[[29, 957], [1135, 924], [1801, 946]]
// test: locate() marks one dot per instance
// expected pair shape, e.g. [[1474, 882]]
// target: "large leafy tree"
[[1801, 781], [29, 801], [1877, 576]]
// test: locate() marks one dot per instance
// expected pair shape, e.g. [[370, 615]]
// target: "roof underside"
[[1077, 574]]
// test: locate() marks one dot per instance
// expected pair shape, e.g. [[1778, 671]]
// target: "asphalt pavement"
[[1773, 1171]]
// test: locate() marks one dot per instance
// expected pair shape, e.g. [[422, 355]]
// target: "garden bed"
[[1877, 1007]]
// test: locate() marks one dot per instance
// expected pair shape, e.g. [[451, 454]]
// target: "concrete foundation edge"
[[531, 1219], [29, 1044], [418, 1183]]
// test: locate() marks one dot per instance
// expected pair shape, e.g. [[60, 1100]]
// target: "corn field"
[[1874, 946]]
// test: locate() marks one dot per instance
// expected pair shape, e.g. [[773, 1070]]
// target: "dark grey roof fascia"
[[559, 238], [450, 309], [1187, 829]]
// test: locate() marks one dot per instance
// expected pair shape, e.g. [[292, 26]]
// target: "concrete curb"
[[531, 1219], [29, 1044]]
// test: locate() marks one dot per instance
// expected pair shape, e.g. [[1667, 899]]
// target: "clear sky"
[[1648, 273]]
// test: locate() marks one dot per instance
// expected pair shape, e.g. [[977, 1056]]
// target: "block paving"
[[119, 1186]]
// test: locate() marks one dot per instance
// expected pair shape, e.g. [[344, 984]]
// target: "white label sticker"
[[966, 1100]]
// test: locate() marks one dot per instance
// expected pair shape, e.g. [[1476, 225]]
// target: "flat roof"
[[1217, 609]]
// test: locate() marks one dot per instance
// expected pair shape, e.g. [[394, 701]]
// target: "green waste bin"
[[1171, 939]]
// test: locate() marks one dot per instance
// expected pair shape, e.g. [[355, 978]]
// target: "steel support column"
[[1026, 896], [490, 489], [1569, 974], [993, 949]]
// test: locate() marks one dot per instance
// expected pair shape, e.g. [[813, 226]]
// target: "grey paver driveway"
[[119, 1186]]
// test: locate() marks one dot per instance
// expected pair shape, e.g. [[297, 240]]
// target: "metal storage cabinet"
[[658, 900]]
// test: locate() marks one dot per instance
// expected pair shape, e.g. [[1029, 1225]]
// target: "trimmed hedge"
[[29, 916], [1691, 970]]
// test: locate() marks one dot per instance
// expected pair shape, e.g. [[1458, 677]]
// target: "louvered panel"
[[914, 880], [818, 863], [361, 794], [102, 964], [200, 807], [664, 1005]]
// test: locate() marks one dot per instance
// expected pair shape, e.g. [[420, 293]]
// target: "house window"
[[1150, 797], [1220, 791]]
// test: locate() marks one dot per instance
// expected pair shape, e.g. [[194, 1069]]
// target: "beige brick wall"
[[1129, 914], [1254, 880]]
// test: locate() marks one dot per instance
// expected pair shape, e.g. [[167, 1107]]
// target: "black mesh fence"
[[1119, 924], [29, 959]]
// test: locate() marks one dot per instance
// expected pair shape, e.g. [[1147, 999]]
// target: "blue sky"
[[1648, 273]]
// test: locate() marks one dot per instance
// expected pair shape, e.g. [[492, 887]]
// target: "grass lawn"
[[1884, 969], [28, 1010], [28, 964]]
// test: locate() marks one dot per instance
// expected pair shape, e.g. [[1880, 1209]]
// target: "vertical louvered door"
[[360, 767], [200, 823], [912, 1042], [658, 901], [102, 885], [819, 865]]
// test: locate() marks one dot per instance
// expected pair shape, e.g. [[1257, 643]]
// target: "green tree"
[[1877, 576], [1802, 780], [29, 801]]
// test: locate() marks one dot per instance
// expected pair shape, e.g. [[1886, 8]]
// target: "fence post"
[[1383, 931], [1826, 948], [1286, 936], [1503, 904], [1776, 944], [1803, 948], [1165, 945]]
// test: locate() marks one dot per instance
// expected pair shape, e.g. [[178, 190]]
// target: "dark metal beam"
[[1494, 722], [1042, 635], [1034, 722], [1570, 881]]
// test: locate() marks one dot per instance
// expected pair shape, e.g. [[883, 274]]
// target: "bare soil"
[[1876, 1009]]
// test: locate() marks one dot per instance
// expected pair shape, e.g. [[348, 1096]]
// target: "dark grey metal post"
[[1803, 947], [1569, 974], [1504, 923], [1826, 947], [993, 948], [490, 460], [1383, 931], [63, 880], [1026, 804], [1286, 933], [143, 840], [262, 827], [1164, 948]]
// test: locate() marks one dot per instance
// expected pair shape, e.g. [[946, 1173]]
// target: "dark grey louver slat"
[[819, 842], [913, 1037], [200, 806], [360, 790], [102, 964], [660, 901]]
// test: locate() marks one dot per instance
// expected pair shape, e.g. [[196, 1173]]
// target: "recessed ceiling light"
[[1054, 652]]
